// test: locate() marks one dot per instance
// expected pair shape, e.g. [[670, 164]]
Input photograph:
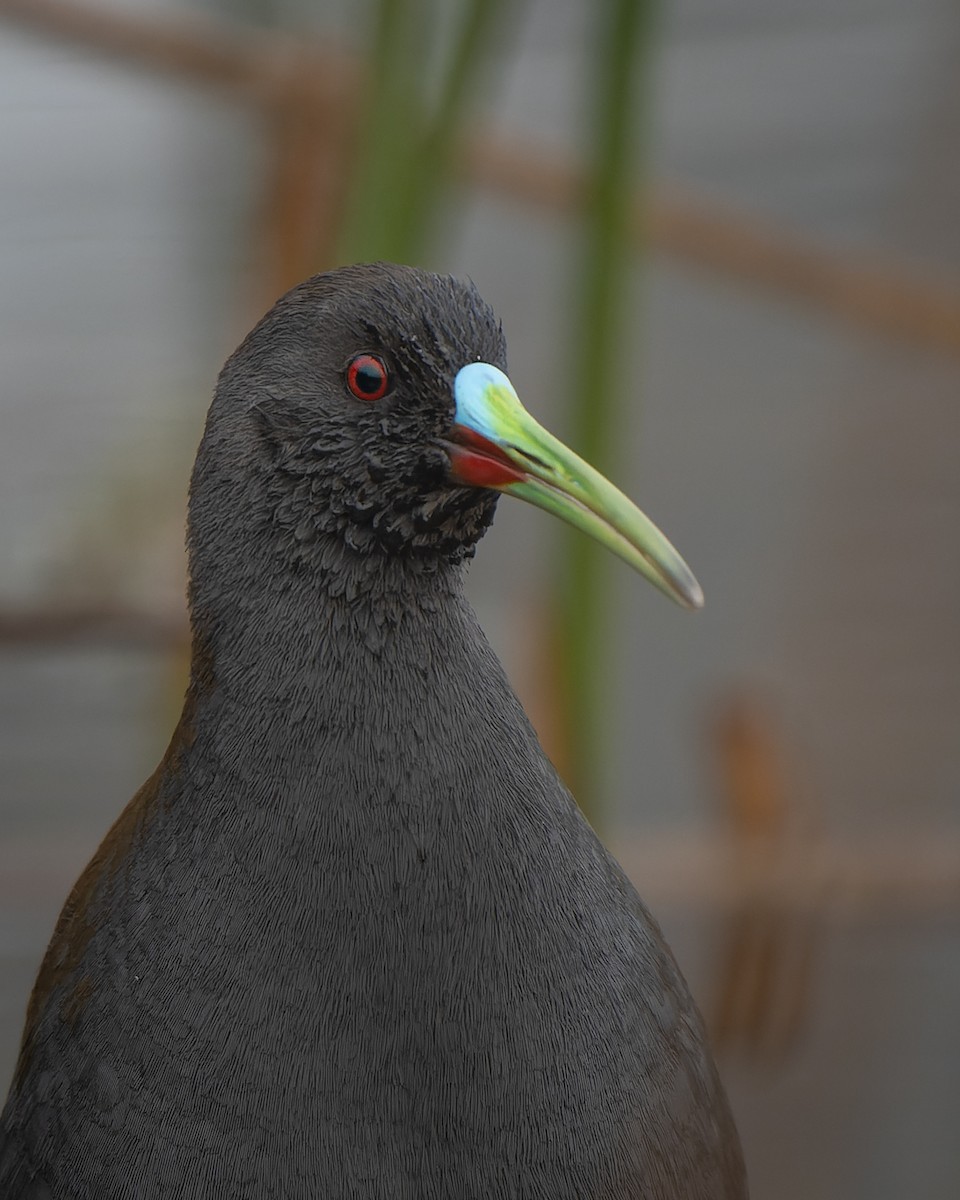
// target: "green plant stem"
[[600, 352], [478, 37], [408, 143], [388, 134]]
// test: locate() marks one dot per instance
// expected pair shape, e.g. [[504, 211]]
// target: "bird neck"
[[318, 687], [269, 629]]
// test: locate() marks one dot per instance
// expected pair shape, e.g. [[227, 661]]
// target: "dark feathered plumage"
[[353, 938]]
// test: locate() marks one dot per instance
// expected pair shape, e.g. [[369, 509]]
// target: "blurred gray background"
[[784, 768]]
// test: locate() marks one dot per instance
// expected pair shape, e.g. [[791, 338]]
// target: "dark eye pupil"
[[369, 378]]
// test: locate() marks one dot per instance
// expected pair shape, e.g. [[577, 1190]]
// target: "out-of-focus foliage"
[[418, 99]]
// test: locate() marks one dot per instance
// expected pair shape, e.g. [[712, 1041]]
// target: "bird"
[[353, 937]]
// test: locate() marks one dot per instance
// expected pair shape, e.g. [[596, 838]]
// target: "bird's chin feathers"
[[383, 498]]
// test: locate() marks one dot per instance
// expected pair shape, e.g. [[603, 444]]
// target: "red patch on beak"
[[475, 461]]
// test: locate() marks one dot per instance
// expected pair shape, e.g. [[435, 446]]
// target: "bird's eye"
[[367, 377]]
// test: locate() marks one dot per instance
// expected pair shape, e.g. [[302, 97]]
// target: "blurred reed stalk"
[[407, 138], [603, 378]]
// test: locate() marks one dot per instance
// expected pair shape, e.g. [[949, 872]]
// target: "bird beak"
[[497, 444]]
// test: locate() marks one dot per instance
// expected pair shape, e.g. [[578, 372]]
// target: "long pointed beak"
[[497, 444]]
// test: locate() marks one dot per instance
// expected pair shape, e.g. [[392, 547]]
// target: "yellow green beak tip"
[[691, 594], [696, 597]]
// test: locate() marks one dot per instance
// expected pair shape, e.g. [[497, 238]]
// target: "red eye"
[[367, 377]]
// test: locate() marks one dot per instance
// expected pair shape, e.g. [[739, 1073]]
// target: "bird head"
[[373, 405]]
